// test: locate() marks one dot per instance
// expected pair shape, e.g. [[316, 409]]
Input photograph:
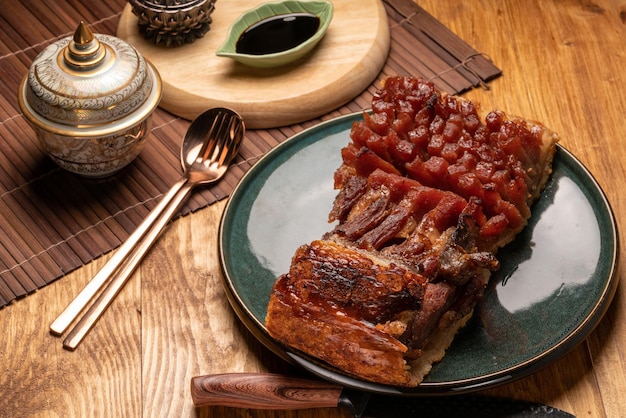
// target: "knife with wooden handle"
[[274, 391], [270, 391]]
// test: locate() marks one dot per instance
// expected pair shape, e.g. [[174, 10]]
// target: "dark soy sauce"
[[277, 33]]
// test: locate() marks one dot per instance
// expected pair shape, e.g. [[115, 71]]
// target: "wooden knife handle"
[[263, 391]]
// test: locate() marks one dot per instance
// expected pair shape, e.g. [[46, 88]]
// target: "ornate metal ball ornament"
[[173, 22]]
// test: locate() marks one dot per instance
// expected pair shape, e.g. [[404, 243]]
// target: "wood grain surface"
[[343, 64], [563, 63]]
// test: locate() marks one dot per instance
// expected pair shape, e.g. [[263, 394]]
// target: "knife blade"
[[275, 391], [467, 406]]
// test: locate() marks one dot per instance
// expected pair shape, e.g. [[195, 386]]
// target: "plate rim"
[[567, 343]]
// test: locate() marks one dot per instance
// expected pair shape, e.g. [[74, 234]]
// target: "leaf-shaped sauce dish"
[[275, 34]]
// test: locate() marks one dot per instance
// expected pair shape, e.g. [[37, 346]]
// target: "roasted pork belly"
[[427, 194]]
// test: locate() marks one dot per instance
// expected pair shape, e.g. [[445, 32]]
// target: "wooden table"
[[563, 63]]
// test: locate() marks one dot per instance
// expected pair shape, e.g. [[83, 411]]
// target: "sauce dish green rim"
[[322, 9]]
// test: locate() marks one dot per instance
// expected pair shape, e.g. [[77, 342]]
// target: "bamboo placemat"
[[52, 222]]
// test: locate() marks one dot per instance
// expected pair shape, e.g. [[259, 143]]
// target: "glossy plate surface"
[[555, 282]]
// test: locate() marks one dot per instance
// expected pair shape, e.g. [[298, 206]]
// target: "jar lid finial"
[[84, 50]]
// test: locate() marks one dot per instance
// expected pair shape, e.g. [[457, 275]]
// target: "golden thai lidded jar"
[[90, 98]]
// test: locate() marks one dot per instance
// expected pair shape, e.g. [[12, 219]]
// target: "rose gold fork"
[[211, 142]]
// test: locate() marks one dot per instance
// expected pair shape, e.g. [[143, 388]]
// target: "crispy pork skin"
[[339, 293]]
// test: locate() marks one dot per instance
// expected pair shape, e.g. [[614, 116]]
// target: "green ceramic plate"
[[322, 9], [555, 284]]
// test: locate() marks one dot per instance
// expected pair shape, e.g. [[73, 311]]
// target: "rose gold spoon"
[[210, 144]]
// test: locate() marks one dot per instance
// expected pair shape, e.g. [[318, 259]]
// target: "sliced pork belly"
[[427, 194]]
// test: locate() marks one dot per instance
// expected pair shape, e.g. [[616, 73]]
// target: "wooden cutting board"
[[346, 62]]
